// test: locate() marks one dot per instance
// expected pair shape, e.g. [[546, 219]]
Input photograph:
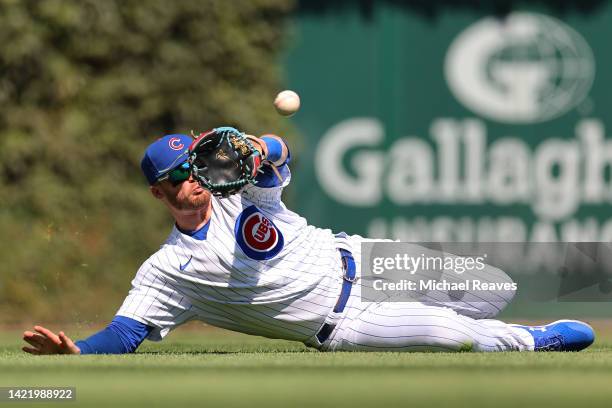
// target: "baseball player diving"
[[239, 259]]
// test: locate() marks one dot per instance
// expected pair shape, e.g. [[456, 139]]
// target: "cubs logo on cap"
[[175, 144], [257, 235]]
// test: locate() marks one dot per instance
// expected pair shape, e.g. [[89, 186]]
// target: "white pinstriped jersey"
[[261, 270]]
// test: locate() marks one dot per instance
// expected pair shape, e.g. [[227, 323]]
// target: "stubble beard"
[[190, 202]]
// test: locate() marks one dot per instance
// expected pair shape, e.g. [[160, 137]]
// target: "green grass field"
[[212, 368]]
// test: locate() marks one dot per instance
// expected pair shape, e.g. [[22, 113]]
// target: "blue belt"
[[349, 277]]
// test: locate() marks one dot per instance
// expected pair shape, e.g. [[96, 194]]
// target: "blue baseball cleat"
[[562, 335]]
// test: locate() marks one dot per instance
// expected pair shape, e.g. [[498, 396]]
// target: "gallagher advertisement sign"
[[462, 127]]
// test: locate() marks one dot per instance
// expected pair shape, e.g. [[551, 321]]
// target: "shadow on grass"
[[223, 352]]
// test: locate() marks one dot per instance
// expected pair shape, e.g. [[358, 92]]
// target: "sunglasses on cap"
[[177, 175]]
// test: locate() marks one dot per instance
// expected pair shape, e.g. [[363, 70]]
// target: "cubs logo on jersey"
[[256, 235]]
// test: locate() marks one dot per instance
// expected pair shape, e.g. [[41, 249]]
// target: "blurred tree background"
[[85, 85]]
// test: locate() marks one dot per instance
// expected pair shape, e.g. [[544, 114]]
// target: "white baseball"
[[287, 103]]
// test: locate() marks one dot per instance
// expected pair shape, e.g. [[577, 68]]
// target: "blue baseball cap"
[[164, 155]]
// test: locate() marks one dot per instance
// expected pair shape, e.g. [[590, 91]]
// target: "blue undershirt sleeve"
[[122, 335]]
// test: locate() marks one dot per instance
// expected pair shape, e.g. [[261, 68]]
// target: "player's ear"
[[156, 192]]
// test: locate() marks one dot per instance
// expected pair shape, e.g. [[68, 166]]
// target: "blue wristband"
[[275, 148]]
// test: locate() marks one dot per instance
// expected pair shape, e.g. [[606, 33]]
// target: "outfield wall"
[[458, 126], [449, 122]]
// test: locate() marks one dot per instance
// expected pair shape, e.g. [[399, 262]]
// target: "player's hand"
[[44, 341]]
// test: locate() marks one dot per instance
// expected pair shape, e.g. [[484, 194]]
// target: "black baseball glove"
[[223, 161]]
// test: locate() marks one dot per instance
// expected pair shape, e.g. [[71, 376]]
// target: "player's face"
[[187, 195]]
